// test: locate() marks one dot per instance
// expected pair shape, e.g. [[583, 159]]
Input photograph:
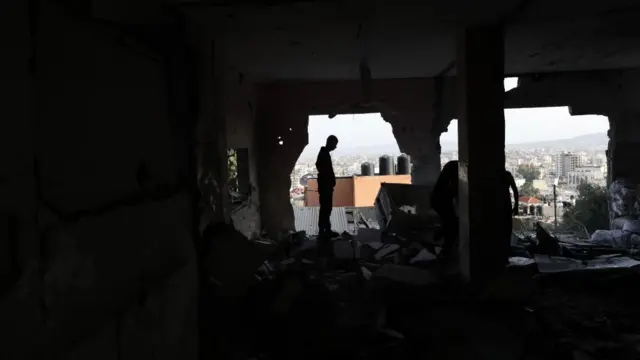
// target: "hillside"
[[582, 142]]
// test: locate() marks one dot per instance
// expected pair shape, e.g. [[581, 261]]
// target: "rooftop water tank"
[[404, 165], [386, 165], [366, 169]]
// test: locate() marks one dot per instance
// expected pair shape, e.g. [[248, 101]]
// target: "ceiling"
[[320, 41]]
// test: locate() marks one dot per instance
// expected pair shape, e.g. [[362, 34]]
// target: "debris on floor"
[[383, 293]]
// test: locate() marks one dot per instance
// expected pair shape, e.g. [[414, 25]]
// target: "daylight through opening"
[[547, 148], [367, 154]]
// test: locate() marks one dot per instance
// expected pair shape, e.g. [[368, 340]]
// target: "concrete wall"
[[343, 193], [241, 131], [353, 191], [20, 285], [99, 279], [367, 187]]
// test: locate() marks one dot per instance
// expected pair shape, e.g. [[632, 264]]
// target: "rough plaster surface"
[[414, 132], [241, 133], [211, 133], [20, 289], [120, 283], [623, 152], [275, 163], [318, 40]]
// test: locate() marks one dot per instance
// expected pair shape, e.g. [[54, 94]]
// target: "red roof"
[[529, 200]]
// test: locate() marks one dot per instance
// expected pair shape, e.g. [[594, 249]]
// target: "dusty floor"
[[564, 318]]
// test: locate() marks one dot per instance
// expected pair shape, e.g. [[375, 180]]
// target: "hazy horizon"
[[522, 126]]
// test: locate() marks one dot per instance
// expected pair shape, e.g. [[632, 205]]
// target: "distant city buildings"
[[586, 174], [573, 169], [567, 162]]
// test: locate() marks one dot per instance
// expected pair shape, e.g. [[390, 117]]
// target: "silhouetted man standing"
[[444, 201], [326, 183]]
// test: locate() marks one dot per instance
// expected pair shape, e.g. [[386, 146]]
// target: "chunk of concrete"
[[366, 236], [233, 259], [405, 274], [344, 249]]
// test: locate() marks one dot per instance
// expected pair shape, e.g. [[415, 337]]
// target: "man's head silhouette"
[[332, 142]]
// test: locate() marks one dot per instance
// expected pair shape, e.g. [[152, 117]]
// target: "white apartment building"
[[586, 174], [599, 159], [566, 163]]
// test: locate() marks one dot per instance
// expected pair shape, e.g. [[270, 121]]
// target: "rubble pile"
[[384, 293], [319, 297], [578, 317], [624, 204]]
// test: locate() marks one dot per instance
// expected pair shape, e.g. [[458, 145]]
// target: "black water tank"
[[404, 165], [386, 165], [366, 169]]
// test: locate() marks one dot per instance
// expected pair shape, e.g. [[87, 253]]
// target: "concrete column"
[[212, 145], [20, 280], [282, 137], [481, 132], [623, 153], [415, 137], [426, 165]]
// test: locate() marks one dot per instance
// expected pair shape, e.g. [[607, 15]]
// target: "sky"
[[522, 125]]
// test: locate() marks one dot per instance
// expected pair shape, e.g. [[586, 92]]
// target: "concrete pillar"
[[212, 144], [426, 165], [20, 280], [623, 153], [282, 137], [481, 134], [415, 137]]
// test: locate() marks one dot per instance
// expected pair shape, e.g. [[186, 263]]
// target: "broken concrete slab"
[[423, 257], [555, 264], [232, 259], [344, 249], [366, 236]]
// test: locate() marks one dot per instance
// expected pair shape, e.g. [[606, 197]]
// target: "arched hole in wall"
[[362, 138], [547, 146]]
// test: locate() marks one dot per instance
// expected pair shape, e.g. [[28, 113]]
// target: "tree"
[[590, 212], [529, 172], [528, 190]]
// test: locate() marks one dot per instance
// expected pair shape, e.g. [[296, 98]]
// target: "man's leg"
[[329, 210], [509, 234], [323, 216], [450, 229]]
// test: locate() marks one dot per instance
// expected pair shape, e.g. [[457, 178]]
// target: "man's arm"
[[321, 164], [324, 165]]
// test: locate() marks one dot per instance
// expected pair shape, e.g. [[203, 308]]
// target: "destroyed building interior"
[[121, 237]]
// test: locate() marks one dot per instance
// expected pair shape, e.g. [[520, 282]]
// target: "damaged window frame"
[[239, 182]]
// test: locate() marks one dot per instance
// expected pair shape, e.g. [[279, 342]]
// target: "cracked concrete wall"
[[241, 131], [417, 122], [111, 271], [282, 129], [623, 152], [20, 287], [211, 133], [227, 121], [283, 110], [586, 93]]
